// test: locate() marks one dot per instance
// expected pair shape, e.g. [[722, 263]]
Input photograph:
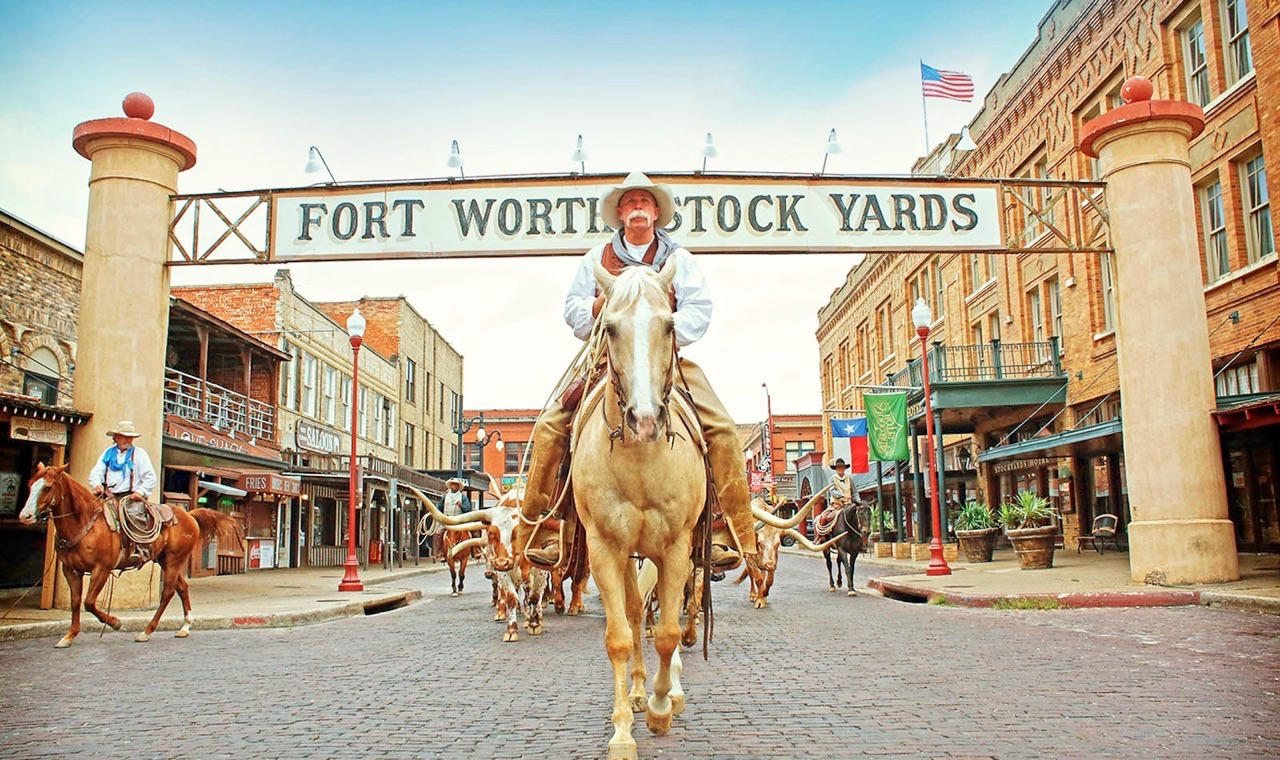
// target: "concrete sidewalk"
[[258, 599], [1086, 579]]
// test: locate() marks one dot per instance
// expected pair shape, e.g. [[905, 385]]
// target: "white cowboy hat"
[[637, 181], [125, 428], [459, 481]]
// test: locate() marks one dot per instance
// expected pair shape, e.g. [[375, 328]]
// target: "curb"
[[136, 623], [1265, 605], [891, 589]]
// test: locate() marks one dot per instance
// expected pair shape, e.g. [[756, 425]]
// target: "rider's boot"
[[730, 546], [549, 445]]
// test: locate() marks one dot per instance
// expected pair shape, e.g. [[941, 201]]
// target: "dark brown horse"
[[87, 545], [844, 521]]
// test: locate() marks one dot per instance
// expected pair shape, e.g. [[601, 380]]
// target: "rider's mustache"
[[639, 214]]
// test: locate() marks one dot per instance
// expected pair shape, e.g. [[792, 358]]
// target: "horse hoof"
[[623, 750], [115, 624], [182, 634], [852, 592], [833, 588], [142, 637], [455, 593], [658, 725], [677, 704], [63, 643]]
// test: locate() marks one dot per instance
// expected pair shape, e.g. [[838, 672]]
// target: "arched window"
[[40, 375]]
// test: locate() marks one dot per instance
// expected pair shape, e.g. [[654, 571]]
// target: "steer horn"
[[483, 515], [778, 522], [806, 543], [468, 545]]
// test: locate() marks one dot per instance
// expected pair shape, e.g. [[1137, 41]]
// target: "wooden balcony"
[[200, 400]]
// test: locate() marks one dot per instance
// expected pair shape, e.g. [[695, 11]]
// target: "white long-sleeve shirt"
[[693, 296], [117, 481]]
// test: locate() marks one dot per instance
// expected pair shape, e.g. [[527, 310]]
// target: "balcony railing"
[[994, 362], [200, 400]]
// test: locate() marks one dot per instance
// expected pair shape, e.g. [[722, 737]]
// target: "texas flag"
[[849, 442]]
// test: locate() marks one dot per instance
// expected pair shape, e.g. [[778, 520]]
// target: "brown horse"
[[87, 545], [639, 483]]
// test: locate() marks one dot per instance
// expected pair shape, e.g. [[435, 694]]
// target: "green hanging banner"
[[886, 426]]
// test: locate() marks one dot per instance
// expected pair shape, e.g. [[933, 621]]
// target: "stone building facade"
[[1052, 420], [39, 312]]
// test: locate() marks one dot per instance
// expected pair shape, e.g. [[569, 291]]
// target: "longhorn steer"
[[769, 532], [519, 584]]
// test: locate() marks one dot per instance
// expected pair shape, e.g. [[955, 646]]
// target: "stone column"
[[1181, 532], [124, 306]]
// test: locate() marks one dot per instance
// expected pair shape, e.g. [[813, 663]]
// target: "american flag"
[[952, 85]]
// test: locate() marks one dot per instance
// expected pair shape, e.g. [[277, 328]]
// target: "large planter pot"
[[1034, 546], [884, 549], [978, 545], [901, 550]]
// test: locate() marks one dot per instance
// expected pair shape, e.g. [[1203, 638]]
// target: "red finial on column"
[[1137, 88], [137, 105]]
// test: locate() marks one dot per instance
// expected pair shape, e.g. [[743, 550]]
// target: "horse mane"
[[631, 284], [79, 492]]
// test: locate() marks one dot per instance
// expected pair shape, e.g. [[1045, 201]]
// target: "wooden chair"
[[1104, 529]]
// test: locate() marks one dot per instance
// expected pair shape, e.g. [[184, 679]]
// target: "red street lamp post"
[[351, 580], [922, 317]]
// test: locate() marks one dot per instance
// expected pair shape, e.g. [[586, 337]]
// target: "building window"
[[827, 380], [1214, 223], [975, 272], [1108, 292], [1238, 381], [363, 413], [441, 407], [426, 395], [1196, 63], [453, 455], [844, 367], [1105, 99], [993, 266], [886, 337], [309, 369], [1235, 36], [410, 381], [1055, 309], [388, 423], [797, 449], [515, 454], [408, 445], [993, 325], [1037, 316], [289, 377], [330, 405], [345, 420], [939, 298], [455, 407], [864, 350], [1257, 207]]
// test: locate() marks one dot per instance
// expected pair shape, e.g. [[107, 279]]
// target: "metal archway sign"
[[560, 216]]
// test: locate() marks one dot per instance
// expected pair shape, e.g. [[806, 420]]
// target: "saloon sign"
[[555, 217]]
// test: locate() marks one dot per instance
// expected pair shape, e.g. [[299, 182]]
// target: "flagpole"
[[924, 105]]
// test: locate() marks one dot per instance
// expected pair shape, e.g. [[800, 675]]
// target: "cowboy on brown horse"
[[639, 210], [125, 477]]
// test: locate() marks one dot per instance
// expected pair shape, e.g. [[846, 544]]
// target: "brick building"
[[313, 399], [1023, 351]]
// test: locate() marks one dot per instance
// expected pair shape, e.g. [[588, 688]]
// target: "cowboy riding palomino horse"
[[639, 482], [86, 544]]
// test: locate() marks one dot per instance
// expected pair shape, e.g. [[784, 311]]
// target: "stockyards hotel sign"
[[549, 217]]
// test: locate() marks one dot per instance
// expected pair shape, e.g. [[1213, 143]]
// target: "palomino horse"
[[87, 545], [639, 483]]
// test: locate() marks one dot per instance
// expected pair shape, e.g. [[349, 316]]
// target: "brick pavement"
[[817, 675]]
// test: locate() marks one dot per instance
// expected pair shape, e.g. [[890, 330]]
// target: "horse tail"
[[214, 524]]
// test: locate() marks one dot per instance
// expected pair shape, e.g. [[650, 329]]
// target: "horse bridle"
[[616, 434], [46, 513]]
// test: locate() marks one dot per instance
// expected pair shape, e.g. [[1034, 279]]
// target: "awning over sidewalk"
[[1248, 412], [209, 485], [1094, 439]]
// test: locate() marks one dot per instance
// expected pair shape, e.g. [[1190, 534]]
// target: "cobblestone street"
[[817, 675]]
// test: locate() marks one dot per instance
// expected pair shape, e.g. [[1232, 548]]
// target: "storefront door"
[[1252, 491]]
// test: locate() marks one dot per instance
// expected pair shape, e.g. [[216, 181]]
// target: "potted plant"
[[1028, 522], [977, 531], [881, 526]]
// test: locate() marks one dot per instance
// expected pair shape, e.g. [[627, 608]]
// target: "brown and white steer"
[[769, 532], [519, 585]]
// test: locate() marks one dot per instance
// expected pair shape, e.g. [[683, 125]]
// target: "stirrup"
[[724, 558]]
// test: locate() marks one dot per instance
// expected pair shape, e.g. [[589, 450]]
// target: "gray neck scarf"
[[665, 246]]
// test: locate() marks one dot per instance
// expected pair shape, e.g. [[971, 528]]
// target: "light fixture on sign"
[[708, 151], [455, 159], [833, 146], [580, 155], [315, 160]]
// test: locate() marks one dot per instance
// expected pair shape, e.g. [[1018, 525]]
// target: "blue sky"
[[382, 88]]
